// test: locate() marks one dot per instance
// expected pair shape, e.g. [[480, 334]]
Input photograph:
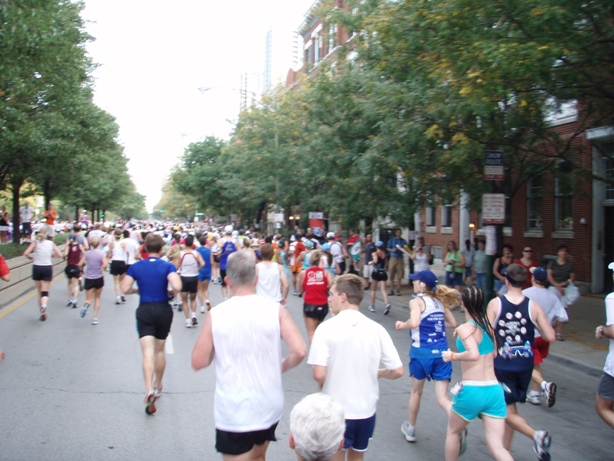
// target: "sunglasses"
[[528, 251]]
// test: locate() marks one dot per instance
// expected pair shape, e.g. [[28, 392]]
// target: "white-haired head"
[[317, 425]]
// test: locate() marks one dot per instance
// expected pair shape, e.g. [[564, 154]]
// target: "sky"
[[152, 57]]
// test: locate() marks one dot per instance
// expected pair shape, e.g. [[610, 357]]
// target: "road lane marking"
[[168, 345], [27, 298]]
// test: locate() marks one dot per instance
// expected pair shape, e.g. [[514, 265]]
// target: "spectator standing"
[[27, 215], [396, 264], [455, 266], [561, 273], [479, 265], [604, 401], [420, 258], [4, 225], [499, 269], [249, 396], [367, 268], [50, 215], [469, 253], [346, 354]]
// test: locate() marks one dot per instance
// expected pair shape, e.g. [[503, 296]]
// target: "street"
[[71, 391]]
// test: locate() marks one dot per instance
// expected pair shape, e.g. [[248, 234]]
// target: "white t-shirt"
[[352, 347], [550, 304], [131, 249], [26, 214], [247, 340], [337, 252], [609, 315]]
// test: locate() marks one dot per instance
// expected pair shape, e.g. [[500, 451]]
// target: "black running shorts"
[[42, 273], [72, 271], [154, 319], [118, 267], [189, 284], [313, 311], [93, 283], [237, 443]]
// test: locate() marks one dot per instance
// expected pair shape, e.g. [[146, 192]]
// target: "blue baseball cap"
[[539, 273], [379, 243], [427, 277], [326, 246]]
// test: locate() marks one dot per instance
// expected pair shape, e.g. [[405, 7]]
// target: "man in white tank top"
[[249, 396], [272, 281]]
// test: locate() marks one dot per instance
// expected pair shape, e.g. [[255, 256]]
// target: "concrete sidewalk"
[[580, 350]]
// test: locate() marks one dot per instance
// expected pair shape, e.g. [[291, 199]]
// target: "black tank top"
[[515, 329]]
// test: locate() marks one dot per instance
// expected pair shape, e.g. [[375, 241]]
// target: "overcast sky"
[[153, 55]]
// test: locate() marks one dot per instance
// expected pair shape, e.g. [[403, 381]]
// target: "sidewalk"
[[580, 350]]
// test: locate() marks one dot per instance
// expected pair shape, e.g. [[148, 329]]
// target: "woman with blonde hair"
[[42, 269], [429, 316], [95, 262]]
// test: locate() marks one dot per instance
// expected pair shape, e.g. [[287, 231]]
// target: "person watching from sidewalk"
[[604, 401], [514, 317], [468, 252], [499, 269], [555, 312], [527, 262], [249, 396], [50, 215], [396, 263], [429, 311], [154, 314], [317, 425], [346, 354], [455, 267], [479, 394], [367, 268], [561, 273], [27, 215], [479, 265], [336, 249]]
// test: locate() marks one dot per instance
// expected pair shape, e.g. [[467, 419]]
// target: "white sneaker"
[[202, 309], [534, 399], [550, 394], [372, 308], [95, 321], [188, 323], [118, 300], [410, 435]]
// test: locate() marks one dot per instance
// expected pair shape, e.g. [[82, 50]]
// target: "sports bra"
[[486, 346]]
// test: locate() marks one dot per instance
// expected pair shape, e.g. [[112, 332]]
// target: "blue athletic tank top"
[[429, 339], [516, 330], [227, 249], [486, 346]]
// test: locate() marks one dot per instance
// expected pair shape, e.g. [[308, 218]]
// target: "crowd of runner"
[[500, 346]]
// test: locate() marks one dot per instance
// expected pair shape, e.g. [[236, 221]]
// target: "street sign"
[[316, 215], [278, 217], [494, 169], [493, 208]]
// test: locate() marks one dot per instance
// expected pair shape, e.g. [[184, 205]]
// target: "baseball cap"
[[228, 229], [330, 235], [426, 276], [539, 273], [309, 244], [379, 243], [326, 247]]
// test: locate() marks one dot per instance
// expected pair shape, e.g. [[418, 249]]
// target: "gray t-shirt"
[[549, 302], [561, 272]]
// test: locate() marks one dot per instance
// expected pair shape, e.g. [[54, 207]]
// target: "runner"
[[154, 314], [42, 269], [95, 263], [379, 276], [204, 275], [227, 247], [604, 400], [188, 263], [314, 283], [429, 316], [73, 253], [479, 394], [119, 256], [272, 282]]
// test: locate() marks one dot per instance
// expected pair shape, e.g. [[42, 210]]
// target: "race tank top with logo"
[[515, 329]]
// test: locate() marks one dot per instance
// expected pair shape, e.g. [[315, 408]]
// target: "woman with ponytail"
[[429, 316], [479, 393]]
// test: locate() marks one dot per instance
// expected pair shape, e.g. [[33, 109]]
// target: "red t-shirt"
[[4, 269], [315, 285], [527, 282]]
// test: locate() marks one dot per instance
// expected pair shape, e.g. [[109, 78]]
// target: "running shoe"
[[398, 292], [179, 307], [158, 392], [202, 309], [463, 441], [559, 337], [541, 445], [208, 303], [372, 308], [188, 323], [69, 303], [84, 309], [95, 321], [150, 401], [123, 298], [194, 320], [43, 316], [550, 394], [74, 305], [118, 300], [387, 309], [391, 293], [295, 293], [534, 399], [410, 435]]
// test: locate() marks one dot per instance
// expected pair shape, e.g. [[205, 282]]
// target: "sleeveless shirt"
[[429, 339], [514, 327]]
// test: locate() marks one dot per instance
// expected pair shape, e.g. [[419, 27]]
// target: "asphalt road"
[[73, 391]]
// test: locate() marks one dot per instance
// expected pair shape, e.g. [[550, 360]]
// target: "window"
[[332, 37], [563, 197], [430, 216], [446, 216], [608, 151], [535, 189]]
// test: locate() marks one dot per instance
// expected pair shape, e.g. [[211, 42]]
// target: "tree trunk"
[[16, 184], [77, 215], [47, 193]]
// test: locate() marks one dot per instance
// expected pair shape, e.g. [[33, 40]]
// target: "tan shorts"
[[396, 269]]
